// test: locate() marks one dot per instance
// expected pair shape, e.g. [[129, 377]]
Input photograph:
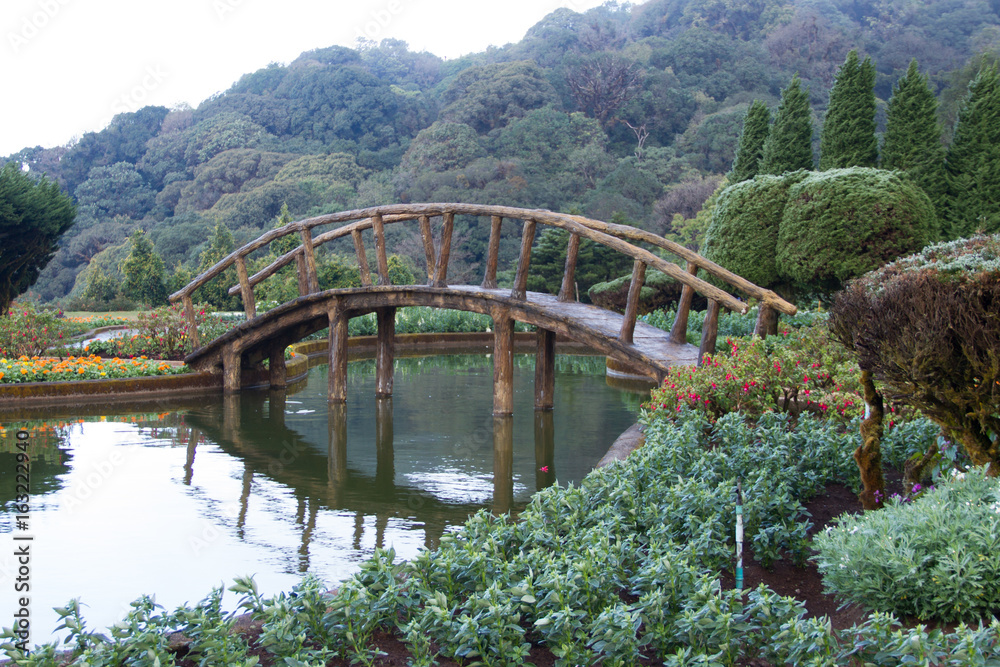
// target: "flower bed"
[[48, 369]]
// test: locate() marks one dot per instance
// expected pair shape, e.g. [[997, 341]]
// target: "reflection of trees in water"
[[49, 458]]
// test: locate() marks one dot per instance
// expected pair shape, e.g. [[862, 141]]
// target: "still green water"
[[277, 484]]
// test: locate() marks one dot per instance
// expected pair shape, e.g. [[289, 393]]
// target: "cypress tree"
[[848, 136], [756, 125], [913, 137], [789, 144], [973, 164], [143, 272]]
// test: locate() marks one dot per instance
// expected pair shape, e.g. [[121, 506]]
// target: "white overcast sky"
[[69, 65]]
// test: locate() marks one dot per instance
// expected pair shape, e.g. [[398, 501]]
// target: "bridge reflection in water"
[[251, 427]]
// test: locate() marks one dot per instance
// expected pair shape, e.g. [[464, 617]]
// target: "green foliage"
[[841, 223], [926, 327], [743, 234], [789, 144], [799, 371], [936, 557], [595, 263], [29, 332], [33, 215], [973, 162], [118, 189], [143, 273], [216, 291], [913, 137], [488, 97], [848, 136], [756, 126]]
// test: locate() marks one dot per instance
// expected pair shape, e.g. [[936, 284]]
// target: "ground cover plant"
[[48, 369]]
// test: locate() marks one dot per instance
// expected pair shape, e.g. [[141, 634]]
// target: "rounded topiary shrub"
[[743, 233], [841, 223], [928, 327]]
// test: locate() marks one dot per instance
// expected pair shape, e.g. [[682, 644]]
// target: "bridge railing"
[[621, 238]]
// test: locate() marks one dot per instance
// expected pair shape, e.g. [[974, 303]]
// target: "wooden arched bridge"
[[621, 337]]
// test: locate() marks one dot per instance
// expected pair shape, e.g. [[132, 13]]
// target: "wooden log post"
[[277, 370], [359, 250], [503, 463], [385, 353], [678, 332], [231, 417], [337, 454], [231, 369], [709, 331], [246, 291], [545, 369], [520, 289], [503, 364], [568, 289], [385, 464], [428, 240], [381, 256], [337, 373], [767, 321], [277, 401], [632, 307], [441, 269], [312, 277], [302, 273], [192, 323], [493, 253]]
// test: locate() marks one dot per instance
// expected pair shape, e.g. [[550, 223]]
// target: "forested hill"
[[631, 112]]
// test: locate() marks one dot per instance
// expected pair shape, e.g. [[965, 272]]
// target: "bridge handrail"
[[615, 236]]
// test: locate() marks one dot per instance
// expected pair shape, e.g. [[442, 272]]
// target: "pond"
[[183, 498]]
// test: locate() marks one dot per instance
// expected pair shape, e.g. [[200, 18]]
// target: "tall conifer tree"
[[913, 138], [789, 144], [848, 136], [973, 165], [756, 126]]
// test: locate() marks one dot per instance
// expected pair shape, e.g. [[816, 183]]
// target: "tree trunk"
[[869, 455]]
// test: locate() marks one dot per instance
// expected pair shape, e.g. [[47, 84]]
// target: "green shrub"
[[838, 224], [927, 327], [935, 557], [743, 234], [29, 332]]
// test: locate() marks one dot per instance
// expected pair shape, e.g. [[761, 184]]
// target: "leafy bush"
[[935, 557], [927, 327], [838, 224], [730, 323], [796, 371], [26, 331], [743, 234]]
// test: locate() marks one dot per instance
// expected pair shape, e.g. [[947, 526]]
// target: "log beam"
[[246, 290], [503, 364], [632, 307], [493, 253], [709, 331], [678, 332], [337, 372], [520, 289], [441, 269], [385, 353], [568, 288], [545, 369]]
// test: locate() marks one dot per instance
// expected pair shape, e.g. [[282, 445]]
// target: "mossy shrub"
[[743, 234], [841, 223]]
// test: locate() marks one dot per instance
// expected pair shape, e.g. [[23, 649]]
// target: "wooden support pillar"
[[337, 457], [520, 289], [632, 307], [359, 250], [568, 289], [678, 332], [493, 253], [428, 240], [302, 273], [381, 257], [337, 377], [545, 369], [231, 369], [441, 269], [767, 321], [192, 330], [246, 291], [231, 418], [277, 370], [545, 448], [503, 364], [709, 330], [385, 354], [276, 402], [385, 470], [312, 277], [503, 463]]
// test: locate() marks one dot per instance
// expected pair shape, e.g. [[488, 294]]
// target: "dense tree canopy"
[[848, 137], [789, 144], [33, 215]]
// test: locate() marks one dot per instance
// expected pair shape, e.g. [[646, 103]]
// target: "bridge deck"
[[593, 326]]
